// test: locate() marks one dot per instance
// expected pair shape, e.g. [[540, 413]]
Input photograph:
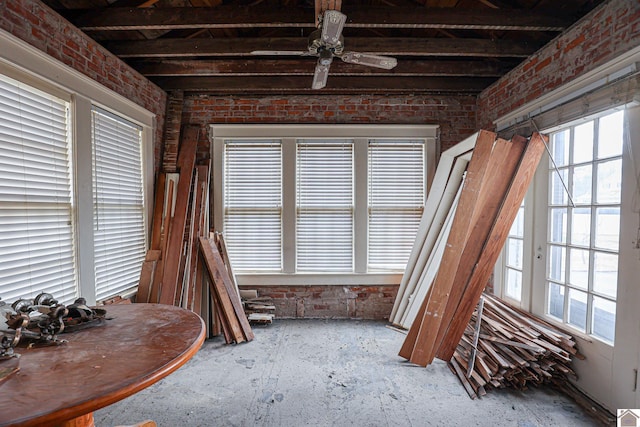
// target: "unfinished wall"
[[41, 27], [609, 30], [334, 302], [455, 115]]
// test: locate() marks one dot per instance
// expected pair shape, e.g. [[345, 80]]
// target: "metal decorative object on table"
[[40, 320]]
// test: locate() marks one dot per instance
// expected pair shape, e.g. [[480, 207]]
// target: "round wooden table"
[[63, 385]]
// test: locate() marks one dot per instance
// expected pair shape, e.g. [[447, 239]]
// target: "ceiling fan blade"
[[279, 53], [332, 23], [369, 60], [321, 74]]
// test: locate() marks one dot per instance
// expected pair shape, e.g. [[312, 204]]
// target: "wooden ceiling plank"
[[381, 46], [225, 16], [133, 3], [265, 84], [305, 66]]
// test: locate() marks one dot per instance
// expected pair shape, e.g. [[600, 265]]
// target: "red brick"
[[574, 43]]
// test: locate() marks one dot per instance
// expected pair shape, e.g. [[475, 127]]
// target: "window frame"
[[289, 134], [31, 66], [591, 247]]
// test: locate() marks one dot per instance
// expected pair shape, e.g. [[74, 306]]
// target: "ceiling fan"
[[326, 43]]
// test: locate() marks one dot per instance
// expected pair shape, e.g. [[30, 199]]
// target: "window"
[[76, 169], [583, 236], [118, 200], [339, 202], [37, 252], [396, 200], [324, 225], [514, 258], [253, 204]]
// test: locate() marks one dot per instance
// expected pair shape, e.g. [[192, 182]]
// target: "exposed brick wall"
[[608, 31], [456, 115], [337, 302], [41, 27]]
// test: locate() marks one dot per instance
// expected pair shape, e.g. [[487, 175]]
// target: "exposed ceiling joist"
[[342, 84], [269, 46], [304, 66], [173, 18], [398, 46]]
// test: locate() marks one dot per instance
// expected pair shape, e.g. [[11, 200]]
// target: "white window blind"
[[118, 200], [324, 239], [396, 200], [36, 222], [253, 204]]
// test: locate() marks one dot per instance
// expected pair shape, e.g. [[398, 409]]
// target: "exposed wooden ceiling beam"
[[305, 66], [226, 16], [382, 46], [342, 84]]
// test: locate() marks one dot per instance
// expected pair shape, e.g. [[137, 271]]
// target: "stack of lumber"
[[173, 272], [180, 216], [497, 178], [505, 347]]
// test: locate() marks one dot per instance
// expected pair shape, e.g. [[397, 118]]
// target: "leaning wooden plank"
[[410, 340], [436, 193], [194, 295], [224, 324], [156, 226], [455, 368], [154, 295], [219, 273], [430, 323], [227, 261], [486, 262], [222, 302], [222, 305], [504, 158], [146, 275], [182, 291], [198, 286], [173, 256]]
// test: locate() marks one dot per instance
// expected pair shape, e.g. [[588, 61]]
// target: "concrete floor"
[[328, 373]]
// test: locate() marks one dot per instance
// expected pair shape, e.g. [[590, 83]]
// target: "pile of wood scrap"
[[259, 309], [505, 347], [497, 178]]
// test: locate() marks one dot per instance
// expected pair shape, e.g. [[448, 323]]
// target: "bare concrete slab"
[[328, 373]]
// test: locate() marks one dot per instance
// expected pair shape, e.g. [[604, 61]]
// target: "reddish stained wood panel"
[[505, 158], [508, 211]]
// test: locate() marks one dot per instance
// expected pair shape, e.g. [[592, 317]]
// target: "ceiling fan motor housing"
[[316, 45]]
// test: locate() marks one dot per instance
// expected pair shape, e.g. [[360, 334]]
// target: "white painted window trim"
[[527, 260], [288, 134], [36, 68]]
